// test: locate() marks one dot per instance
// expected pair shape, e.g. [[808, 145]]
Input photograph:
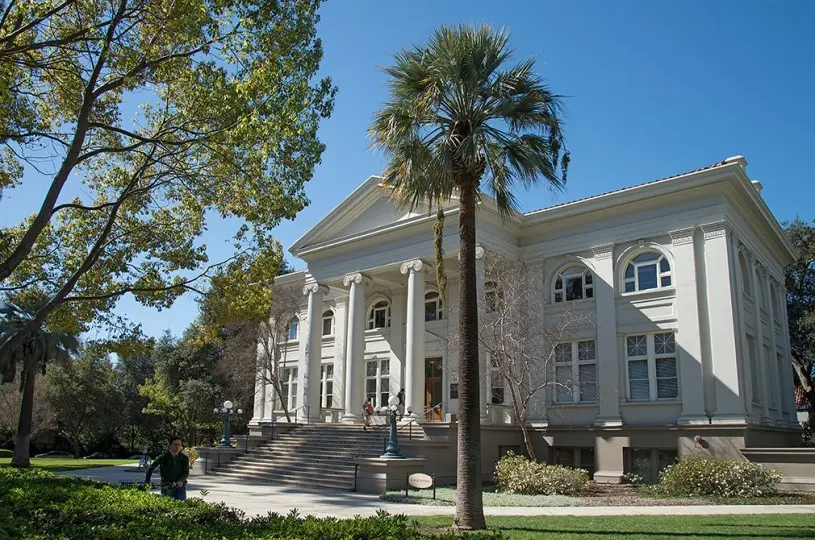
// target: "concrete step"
[[308, 471], [341, 485], [282, 458]]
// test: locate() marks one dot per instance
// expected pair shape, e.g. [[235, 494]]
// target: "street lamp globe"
[[240, 411], [227, 404], [393, 401], [216, 410]]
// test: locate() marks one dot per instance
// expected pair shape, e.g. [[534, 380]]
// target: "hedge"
[[35, 504]]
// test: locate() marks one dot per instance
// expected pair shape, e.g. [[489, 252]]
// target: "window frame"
[[326, 383], [574, 363], [651, 356], [657, 263], [438, 301], [288, 387], [328, 314], [370, 321], [586, 289], [495, 382], [294, 324], [491, 296], [380, 389]]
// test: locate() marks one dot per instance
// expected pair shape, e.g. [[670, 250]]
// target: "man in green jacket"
[[174, 467]]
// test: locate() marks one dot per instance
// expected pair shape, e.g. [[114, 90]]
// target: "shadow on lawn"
[[794, 532]]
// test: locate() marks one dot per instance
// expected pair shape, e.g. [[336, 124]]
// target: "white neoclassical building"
[[684, 277]]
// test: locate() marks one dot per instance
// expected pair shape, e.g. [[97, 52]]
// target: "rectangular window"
[[753, 359], [651, 367], [496, 383], [377, 382], [576, 372], [327, 385], [288, 387], [328, 326], [454, 390]]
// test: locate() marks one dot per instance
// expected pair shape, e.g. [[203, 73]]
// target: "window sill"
[[581, 302], [437, 322], [575, 405], [649, 293], [373, 331], [655, 402]]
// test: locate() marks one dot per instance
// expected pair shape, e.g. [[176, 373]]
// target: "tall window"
[[651, 367], [288, 387], [432, 307], [650, 270], [752, 357], [746, 278], [496, 382], [490, 296], [573, 283], [576, 371], [328, 323], [293, 325], [327, 385], [380, 315], [377, 381]]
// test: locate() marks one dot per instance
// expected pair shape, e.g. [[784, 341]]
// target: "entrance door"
[[433, 388]]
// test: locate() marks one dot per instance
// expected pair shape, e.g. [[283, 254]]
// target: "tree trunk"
[[520, 414], [22, 439], [469, 504]]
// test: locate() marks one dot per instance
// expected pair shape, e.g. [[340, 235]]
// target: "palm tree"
[[462, 120], [33, 353]]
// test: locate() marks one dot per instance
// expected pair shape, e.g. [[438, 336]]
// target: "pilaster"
[[608, 362], [688, 336]]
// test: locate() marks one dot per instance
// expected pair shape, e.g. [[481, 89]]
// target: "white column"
[[311, 352], [260, 388], [397, 347], [688, 337], [608, 360], [414, 341], [340, 324], [355, 347], [718, 263], [764, 371], [483, 368]]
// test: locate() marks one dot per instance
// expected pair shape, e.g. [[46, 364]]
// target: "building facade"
[[683, 278]]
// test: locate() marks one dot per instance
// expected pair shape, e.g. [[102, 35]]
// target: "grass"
[[446, 496], [779, 497], [641, 527], [69, 464]]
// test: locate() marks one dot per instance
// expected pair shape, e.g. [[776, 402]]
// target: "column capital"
[[715, 230], [314, 288], [416, 265], [603, 252], [357, 278], [681, 237]]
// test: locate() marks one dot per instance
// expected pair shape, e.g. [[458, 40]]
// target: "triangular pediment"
[[366, 209]]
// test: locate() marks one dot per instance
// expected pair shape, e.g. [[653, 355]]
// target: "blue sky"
[[654, 89]]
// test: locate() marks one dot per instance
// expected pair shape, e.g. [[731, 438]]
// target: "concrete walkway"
[[256, 498]]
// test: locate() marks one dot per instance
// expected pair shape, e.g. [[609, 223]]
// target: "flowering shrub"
[[719, 477], [633, 479], [192, 453], [516, 474]]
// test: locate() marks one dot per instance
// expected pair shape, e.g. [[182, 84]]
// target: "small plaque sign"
[[420, 480]]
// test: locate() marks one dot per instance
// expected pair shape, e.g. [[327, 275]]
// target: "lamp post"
[[226, 412], [392, 450]]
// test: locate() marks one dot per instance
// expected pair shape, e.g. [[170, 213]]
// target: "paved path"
[[261, 498]]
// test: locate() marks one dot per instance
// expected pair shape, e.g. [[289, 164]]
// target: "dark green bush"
[[35, 504]]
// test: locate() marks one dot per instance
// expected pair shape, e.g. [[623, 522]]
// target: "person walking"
[[174, 467], [367, 413], [401, 396]]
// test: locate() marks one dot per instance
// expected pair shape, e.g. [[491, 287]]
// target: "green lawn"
[[69, 464], [643, 527], [446, 496]]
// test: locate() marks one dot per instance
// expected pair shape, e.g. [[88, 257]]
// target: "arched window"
[[432, 307], [293, 324], [380, 315], [573, 283], [649, 270], [328, 323], [745, 275]]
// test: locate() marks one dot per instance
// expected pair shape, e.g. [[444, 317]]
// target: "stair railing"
[[297, 410], [408, 424]]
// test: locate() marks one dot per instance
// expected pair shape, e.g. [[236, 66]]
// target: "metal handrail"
[[409, 424], [295, 411]]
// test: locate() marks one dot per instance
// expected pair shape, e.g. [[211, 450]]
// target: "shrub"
[[192, 453], [38, 505], [633, 479], [718, 477], [516, 474]]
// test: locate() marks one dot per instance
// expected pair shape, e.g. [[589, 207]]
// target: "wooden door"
[[433, 388]]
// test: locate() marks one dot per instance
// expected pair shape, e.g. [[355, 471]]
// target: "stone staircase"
[[317, 456]]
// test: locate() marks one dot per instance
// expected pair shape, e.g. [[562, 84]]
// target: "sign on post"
[[420, 481]]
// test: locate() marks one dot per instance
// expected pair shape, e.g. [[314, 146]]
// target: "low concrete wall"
[[796, 464], [377, 475], [211, 457]]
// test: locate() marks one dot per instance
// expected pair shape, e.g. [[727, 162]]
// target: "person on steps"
[[367, 413]]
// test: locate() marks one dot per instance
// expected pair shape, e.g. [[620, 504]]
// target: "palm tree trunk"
[[469, 504], [22, 439]]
